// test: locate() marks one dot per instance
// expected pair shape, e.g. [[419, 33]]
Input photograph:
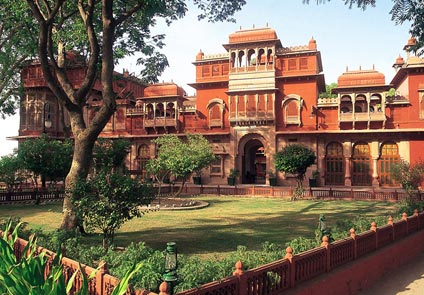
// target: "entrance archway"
[[254, 162]]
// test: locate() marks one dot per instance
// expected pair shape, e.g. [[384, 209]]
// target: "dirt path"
[[408, 280]]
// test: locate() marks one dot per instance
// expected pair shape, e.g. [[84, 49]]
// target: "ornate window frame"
[[216, 102], [292, 120]]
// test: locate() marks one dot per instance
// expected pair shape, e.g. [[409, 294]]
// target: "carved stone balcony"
[[252, 118], [165, 123]]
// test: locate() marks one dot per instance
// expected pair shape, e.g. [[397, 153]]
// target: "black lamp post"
[[171, 264], [47, 122], [314, 113]]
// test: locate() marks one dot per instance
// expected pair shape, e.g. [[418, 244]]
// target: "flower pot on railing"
[[231, 179], [273, 181], [197, 180]]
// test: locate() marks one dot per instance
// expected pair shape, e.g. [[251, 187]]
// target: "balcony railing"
[[362, 117]]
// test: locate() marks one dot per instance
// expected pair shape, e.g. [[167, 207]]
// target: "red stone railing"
[[243, 190], [276, 277], [101, 284], [272, 278]]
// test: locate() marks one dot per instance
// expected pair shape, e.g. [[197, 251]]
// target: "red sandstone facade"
[[252, 100]]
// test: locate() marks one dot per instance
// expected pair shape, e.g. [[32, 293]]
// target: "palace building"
[[251, 100]]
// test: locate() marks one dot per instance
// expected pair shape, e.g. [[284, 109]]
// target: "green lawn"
[[219, 228]]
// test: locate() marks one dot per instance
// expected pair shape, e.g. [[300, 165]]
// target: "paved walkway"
[[407, 280]]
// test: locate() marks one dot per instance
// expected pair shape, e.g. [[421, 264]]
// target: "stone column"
[[348, 177], [375, 176]]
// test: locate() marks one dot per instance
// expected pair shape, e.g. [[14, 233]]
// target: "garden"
[[209, 240]]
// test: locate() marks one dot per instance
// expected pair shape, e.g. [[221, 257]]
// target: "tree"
[[102, 31], [409, 176], [46, 158], [17, 43], [402, 10], [183, 158], [109, 154], [10, 167], [295, 159], [106, 201], [328, 89]]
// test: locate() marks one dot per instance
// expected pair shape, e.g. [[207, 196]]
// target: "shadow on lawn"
[[223, 233]]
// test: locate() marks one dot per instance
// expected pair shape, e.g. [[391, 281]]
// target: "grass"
[[221, 227]]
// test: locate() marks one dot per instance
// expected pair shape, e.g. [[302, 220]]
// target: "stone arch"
[[253, 158], [292, 105]]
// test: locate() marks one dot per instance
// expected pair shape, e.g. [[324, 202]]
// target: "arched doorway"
[[361, 162], [254, 162], [389, 158], [334, 164]]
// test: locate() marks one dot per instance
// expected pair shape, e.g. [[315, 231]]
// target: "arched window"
[[389, 158], [291, 109], [261, 56], [345, 104], [334, 164], [149, 110], [375, 103], [233, 60], [170, 110], [361, 104], [361, 164], [241, 62], [421, 105], [143, 155], [159, 112], [251, 57], [216, 108]]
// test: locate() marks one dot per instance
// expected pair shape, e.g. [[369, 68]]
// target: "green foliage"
[[110, 154], [295, 159], [411, 11], [233, 173], [106, 201], [328, 89], [18, 42], [11, 170], [409, 176], [302, 244], [26, 275], [180, 158], [45, 157]]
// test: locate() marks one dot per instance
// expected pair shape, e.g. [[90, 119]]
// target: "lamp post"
[[47, 122], [171, 265], [314, 113]]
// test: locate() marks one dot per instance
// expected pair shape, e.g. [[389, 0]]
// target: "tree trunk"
[[180, 190], [79, 170]]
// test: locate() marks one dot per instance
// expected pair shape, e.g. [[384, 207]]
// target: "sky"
[[347, 38]]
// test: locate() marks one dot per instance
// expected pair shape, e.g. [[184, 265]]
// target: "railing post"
[[325, 243], [405, 217], [353, 236], [374, 229], [164, 289], [330, 193], [242, 287], [292, 271], [201, 188], [390, 222], [100, 283], [219, 190]]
